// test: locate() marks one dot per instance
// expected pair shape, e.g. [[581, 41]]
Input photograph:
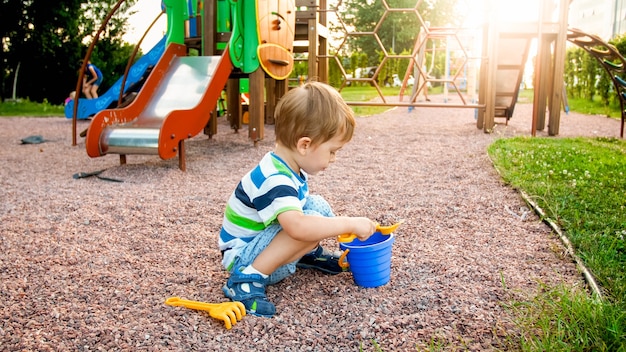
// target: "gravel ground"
[[86, 264]]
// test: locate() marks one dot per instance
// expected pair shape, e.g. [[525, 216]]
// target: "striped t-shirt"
[[267, 190]]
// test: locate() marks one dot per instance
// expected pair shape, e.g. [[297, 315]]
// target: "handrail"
[[81, 75], [132, 58]]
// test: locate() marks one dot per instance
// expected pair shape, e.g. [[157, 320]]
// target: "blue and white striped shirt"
[[267, 190]]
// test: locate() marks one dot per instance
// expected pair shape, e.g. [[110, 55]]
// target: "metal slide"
[[89, 107], [174, 104]]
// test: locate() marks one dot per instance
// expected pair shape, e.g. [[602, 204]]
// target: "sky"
[[147, 11]]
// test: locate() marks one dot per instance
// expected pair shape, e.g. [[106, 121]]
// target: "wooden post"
[[541, 67], [182, 165], [282, 87], [492, 63], [272, 98], [256, 131], [209, 48], [233, 104], [484, 69], [275, 89], [322, 62], [559, 69], [313, 47], [542, 80]]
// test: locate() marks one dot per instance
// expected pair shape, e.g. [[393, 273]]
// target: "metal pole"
[[17, 70]]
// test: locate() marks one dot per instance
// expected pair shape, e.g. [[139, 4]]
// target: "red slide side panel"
[[127, 114], [184, 124]]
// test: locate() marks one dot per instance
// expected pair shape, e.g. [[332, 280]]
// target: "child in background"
[[271, 223], [70, 97], [92, 80]]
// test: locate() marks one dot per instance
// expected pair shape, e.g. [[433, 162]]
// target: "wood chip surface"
[[86, 264]]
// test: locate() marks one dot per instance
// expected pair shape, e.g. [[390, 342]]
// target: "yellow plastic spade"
[[385, 230]]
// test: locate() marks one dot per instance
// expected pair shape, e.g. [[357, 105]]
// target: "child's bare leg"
[[270, 257], [247, 283], [282, 250], [94, 91], [87, 91]]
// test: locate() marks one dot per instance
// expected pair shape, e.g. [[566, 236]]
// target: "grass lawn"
[[23, 107], [580, 184]]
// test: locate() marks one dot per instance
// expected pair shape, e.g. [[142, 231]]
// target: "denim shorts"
[[315, 205]]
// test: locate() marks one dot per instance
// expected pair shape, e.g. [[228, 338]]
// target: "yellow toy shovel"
[[385, 230]]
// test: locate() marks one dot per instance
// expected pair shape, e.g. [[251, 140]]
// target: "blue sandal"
[[255, 301], [321, 260]]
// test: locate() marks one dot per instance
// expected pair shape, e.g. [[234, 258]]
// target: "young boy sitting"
[[271, 223]]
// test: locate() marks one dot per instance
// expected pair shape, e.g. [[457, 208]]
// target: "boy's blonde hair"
[[315, 110]]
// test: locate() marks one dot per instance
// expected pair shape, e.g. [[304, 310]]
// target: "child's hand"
[[363, 228]]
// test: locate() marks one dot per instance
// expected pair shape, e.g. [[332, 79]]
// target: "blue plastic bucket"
[[370, 260]]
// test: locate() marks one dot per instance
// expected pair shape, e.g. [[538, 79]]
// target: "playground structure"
[[180, 94], [504, 73], [137, 74], [126, 86], [263, 52], [503, 77], [498, 71], [610, 59], [460, 66]]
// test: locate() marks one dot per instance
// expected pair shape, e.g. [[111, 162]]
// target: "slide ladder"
[[513, 49]]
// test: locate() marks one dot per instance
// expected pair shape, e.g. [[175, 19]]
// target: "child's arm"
[[94, 75], [316, 228]]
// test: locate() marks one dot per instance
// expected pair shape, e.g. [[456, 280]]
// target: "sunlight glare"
[[517, 11], [146, 12], [500, 10]]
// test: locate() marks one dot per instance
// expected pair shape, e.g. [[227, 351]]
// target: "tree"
[[400, 27], [582, 71], [585, 77], [32, 35], [392, 26], [47, 39]]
